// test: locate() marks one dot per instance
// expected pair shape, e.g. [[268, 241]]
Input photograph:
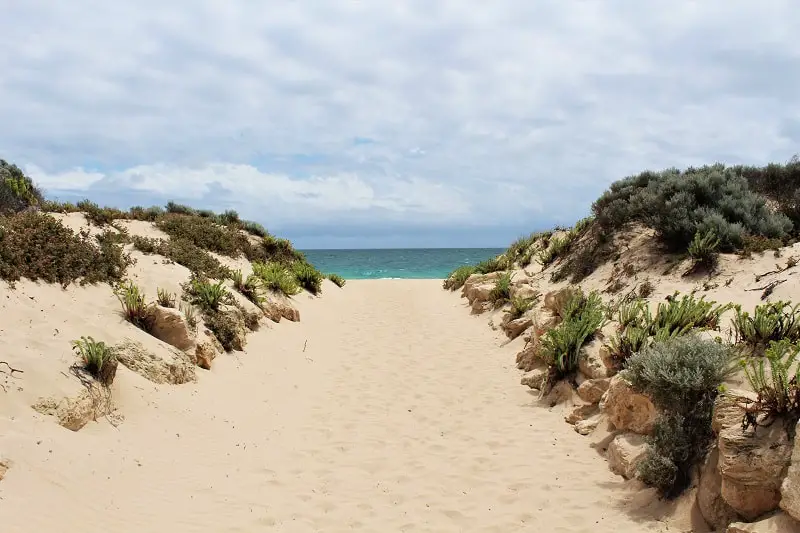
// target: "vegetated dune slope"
[[388, 407]]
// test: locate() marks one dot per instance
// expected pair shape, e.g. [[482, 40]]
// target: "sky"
[[362, 124]]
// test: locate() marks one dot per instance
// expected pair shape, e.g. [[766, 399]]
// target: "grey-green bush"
[[682, 376]]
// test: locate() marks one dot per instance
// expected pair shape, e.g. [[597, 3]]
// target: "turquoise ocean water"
[[413, 263]]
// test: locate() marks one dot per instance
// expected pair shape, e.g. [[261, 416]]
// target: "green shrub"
[[17, 191], [520, 306], [681, 376], [206, 295], [279, 251], [99, 216], [626, 343], [780, 183], [770, 322], [493, 264], [556, 248], [276, 278], [97, 358], [703, 249], [778, 394], [678, 205], [457, 278], [254, 228], [250, 287], [135, 308], [679, 316], [150, 214], [183, 252], [39, 247], [501, 292], [165, 298], [308, 277], [560, 347], [759, 244], [180, 209], [224, 326], [337, 279], [204, 233]]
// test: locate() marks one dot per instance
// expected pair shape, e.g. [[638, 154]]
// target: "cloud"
[[451, 115]]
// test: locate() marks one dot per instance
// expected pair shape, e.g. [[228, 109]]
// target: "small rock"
[[591, 365], [592, 390], [580, 413], [584, 427], [777, 523], [515, 328], [625, 453], [170, 326], [535, 378]]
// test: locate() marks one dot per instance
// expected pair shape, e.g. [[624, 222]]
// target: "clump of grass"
[[250, 287], [98, 359], [646, 289], [501, 292], [276, 278], [39, 247], [456, 279], [308, 277], [556, 248], [560, 347], [135, 308], [338, 280], [520, 306], [190, 314], [165, 298], [682, 376], [777, 391], [17, 191], [770, 322], [703, 250], [206, 295]]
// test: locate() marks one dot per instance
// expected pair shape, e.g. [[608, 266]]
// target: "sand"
[[403, 413]]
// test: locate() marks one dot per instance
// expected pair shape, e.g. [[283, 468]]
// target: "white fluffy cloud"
[[336, 112]]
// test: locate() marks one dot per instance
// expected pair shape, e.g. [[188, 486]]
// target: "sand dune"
[[403, 414]]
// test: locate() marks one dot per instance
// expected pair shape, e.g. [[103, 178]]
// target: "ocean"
[[411, 263]]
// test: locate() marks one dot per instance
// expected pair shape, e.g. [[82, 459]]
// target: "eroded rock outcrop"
[[715, 510], [592, 390], [170, 326], [625, 453], [777, 523], [75, 412], [168, 366], [790, 488], [515, 328], [627, 409]]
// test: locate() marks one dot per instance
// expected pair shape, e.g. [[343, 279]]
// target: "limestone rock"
[[74, 413], [752, 465], [515, 328], [790, 489], [523, 291], [278, 308], [205, 353], [728, 411], [584, 427], [592, 390], [535, 378], [580, 413], [716, 512], [528, 358], [468, 291], [777, 523], [590, 363], [627, 409], [170, 326], [169, 366], [625, 453], [554, 301]]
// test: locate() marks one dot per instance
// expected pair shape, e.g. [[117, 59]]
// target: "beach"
[[387, 408]]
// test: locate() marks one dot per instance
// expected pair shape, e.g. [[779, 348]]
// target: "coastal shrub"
[[557, 246], [520, 306], [777, 390], [278, 250], [225, 328], [778, 182], [597, 247], [703, 250], [17, 191], [501, 292], [681, 315], [307, 277], [230, 218], [254, 228], [206, 295], [770, 322], [165, 298], [99, 216], [179, 209], [204, 233], [135, 308], [183, 252], [758, 244], [560, 347], [54, 206], [149, 214], [678, 205], [39, 247], [109, 236], [681, 376], [250, 287], [456, 279], [276, 278], [97, 358], [338, 280]]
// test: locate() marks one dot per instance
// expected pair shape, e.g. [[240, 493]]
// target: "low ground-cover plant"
[[204, 233], [135, 308], [276, 278], [250, 287], [777, 390], [456, 279], [39, 247], [682, 376], [770, 322], [338, 280], [501, 292], [560, 347], [97, 358], [206, 295], [493, 264], [307, 277], [520, 306], [183, 252]]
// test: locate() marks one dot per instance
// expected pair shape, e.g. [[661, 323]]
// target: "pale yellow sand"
[[402, 414]]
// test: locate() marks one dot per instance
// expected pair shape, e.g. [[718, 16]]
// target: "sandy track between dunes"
[[403, 414]]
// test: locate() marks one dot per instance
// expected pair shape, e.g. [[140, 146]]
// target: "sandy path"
[[401, 415]]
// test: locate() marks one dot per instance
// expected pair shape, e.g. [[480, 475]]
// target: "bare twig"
[[304, 346], [768, 288], [11, 368]]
